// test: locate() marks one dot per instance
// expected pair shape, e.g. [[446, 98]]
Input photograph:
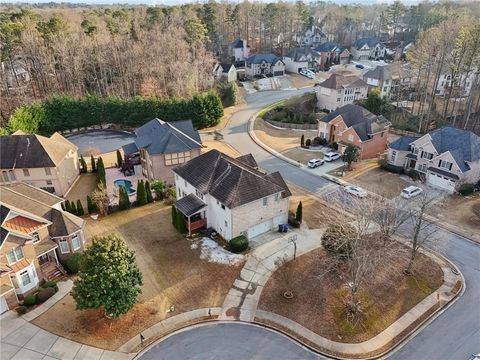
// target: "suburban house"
[[264, 64], [449, 157], [339, 90], [368, 48], [311, 37], [354, 125], [301, 58], [36, 235], [331, 53], [162, 146], [239, 50], [230, 195], [47, 163], [462, 84], [227, 71], [390, 80]]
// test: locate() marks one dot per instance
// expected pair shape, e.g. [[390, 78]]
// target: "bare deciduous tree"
[[286, 269]]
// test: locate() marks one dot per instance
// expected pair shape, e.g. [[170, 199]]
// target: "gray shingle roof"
[[337, 81], [259, 58], [189, 205], [371, 42], [229, 180], [238, 43], [463, 145], [249, 160], [328, 47], [403, 143], [298, 52], [160, 137]]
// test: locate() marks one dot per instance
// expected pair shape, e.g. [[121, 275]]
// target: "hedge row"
[[65, 112]]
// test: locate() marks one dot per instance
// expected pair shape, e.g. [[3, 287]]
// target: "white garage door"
[[259, 229], [441, 182], [280, 219], [3, 305]]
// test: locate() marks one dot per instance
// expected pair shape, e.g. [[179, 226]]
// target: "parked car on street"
[[315, 163], [359, 66], [356, 190], [410, 192], [331, 156]]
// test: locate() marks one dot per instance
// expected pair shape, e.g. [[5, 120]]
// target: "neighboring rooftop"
[[370, 41], [337, 81], [388, 72], [328, 47], [403, 143], [20, 151], [161, 137], [297, 53], [259, 58], [231, 181], [238, 43], [226, 67]]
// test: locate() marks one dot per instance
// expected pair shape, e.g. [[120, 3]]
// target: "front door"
[[43, 259], [413, 163]]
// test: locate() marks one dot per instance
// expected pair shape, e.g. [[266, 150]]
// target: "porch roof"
[[45, 246], [443, 172], [189, 205], [412, 156]]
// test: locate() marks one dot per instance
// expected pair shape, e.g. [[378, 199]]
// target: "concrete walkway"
[[21, 340], [242, 300]]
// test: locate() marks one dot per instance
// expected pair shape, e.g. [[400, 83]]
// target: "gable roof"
[[298, 52], [259, 58], [33, 151], [229, 180], [329, 46], [370, 41], [237, 43], [403, 143], [337, 81], [361, 120], [463, 145], [249, 160], [226, 67], [161, 137]]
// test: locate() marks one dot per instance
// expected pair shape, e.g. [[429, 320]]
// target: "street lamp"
[[293, 239]]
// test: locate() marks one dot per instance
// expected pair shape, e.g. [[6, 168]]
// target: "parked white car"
[[308, 74], [356, 190], [315, 163], [410, 192], [331, 156]]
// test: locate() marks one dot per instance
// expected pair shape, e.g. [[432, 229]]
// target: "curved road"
[[453, 335]]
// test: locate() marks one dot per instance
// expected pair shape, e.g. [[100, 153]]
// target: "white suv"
[[331, 156], [410, 192], [315, 163]]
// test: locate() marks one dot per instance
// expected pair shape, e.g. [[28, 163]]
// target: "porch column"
[[189, 232], [56, 258]]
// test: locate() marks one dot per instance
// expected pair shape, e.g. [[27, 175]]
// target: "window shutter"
[[450, 167], [439, 163]]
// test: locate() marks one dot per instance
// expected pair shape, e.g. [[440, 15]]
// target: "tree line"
[[66, 112]]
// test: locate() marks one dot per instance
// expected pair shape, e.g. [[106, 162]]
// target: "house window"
[[199, 194], [36, 237], [48, 172], [277, 197], [427, 155], [177, 158], [15, 255], [63, 243], [393, 156], [49, 182], [445, 164], [265, 201], [26, 172], [223, 207], [422, 167], [414, 150], [76, 242], [25, 278], [350, 137], [186, 184]]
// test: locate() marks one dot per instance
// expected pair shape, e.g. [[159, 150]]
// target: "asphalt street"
[[454, 335]]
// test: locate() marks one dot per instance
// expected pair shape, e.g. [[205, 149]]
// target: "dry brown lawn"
[[318, 302], [279, 139], [300, 81], [220, 146], [381, 182], [313, 210], [173, 274], [82, 188]]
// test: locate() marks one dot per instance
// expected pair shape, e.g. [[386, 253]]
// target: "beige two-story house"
[[448, 157], [36, 236], [50, 163], [230, 195], [339, 90], [163, 146]]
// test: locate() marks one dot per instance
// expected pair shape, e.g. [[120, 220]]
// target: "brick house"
[[36, 235], [230, 195], [354, 125], [162, 146]]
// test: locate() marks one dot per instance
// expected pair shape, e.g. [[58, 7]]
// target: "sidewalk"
[[242, 300]]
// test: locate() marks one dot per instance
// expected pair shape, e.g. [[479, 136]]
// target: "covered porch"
[[194, 212], [48, 260]]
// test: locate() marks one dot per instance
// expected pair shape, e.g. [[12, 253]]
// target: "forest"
[[169, 51]]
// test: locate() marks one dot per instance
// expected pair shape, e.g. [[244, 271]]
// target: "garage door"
[[3, 305], [280, 219], [259, 229], [278, 73], [441, 182]]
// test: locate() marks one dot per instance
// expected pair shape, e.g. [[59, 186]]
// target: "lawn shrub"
[[308, 142], [391, 168], [72, 264], [21, 310], [294, 222], [44, 294], [466, 189], [30, 300], [50, 284], [335, 240], [238, 244], [335, 146]]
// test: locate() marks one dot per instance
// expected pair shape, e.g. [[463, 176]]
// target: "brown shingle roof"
[[229, 180], [337, 81]]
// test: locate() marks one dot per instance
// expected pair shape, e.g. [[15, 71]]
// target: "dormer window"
[[36, 237]]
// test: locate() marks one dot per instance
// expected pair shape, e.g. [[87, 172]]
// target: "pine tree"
[[109, 277], [93, 163], [101, 172], [63, 206], [302, 141], [73, 208], [83, 165], [80, 211], [68, 206], [91, 206], [181, 226], [148, 191], [123, 201], [119, 159], [141, 193], [174, 216], [299, 214]]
